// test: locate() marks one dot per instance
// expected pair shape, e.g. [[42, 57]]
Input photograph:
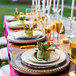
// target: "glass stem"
[[57, 39], [53, 35], [71, 26]]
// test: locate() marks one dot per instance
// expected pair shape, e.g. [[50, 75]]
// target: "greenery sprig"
[[44, 47], [28, 27]]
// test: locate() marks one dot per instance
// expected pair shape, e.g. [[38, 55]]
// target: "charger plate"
[[18, 66], [37, 37]]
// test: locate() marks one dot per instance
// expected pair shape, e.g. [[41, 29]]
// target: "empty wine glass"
[[56, 11], [71, 35]]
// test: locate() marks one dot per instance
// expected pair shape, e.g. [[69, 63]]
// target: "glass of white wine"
[[73, 57], [53, 29], [28, 11], [58, 30], [46, 30]]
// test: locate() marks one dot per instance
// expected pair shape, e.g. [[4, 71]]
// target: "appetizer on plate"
[[44, 50]]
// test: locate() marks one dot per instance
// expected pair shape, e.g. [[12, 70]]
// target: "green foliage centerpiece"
[[43, 51], [29, 30]]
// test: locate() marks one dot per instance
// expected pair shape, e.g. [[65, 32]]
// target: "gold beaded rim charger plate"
[[17, 65]]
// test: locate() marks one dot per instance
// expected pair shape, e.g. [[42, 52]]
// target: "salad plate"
[[32, 57], [21, 35]]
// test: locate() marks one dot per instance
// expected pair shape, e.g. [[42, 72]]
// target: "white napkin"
[[3, 54], [5, 71], [3, 41]]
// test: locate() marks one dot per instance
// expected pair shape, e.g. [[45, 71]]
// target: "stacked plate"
[[25, 62], [56, 58], [21, 38], [17, 24], [10, 18]]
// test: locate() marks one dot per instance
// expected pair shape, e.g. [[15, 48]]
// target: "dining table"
[[13, 49]]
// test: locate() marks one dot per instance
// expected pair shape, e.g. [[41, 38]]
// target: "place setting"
[[28, 35], [46, 61]]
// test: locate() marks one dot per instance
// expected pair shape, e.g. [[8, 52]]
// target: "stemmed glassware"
[[28, 11], [71, 35], [58, 30], [58, 23], [53, 29], [56, 12]]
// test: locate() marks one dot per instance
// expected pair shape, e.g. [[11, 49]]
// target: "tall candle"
[[43, 5], [72, 9], [49, 7], [62, 9], [47, 3], [39, 4], [58, 1], [54, 3], [32, 2]]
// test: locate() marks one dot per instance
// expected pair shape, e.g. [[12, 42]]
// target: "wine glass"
[[71, 35], [56, 11], [73, 57], [47, 30], [28, 11], [58, 30], [33, 10], [53, 29]]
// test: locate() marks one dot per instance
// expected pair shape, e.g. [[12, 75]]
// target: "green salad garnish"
[[29, 27], [44, 47]]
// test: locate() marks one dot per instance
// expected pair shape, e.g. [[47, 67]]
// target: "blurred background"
[[7, 7]]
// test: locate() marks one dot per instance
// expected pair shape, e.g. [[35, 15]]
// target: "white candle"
[[39, 4], [47, 3], [72, 9], [54, 3], [32, 2], [58, 1], [43, 5], [62, 9], [49, 7]]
